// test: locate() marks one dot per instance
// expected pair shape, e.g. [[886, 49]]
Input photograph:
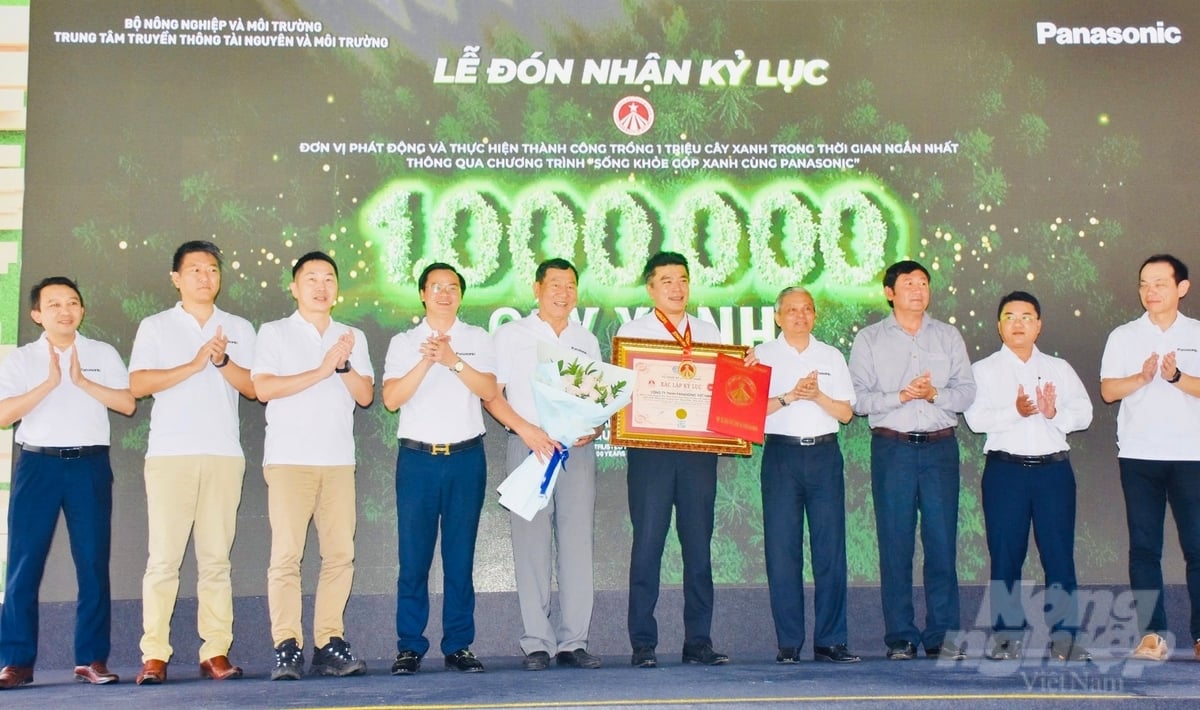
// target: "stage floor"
[[745, 682]]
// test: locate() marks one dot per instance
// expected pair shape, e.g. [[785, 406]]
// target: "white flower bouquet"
[[573, 395]]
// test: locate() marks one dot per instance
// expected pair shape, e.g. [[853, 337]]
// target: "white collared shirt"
[[67, 416], [198, 415], [517, 358], [801, 417], [1158, 421], [648, 326], [994, 411], [443, 410], [315, 426]]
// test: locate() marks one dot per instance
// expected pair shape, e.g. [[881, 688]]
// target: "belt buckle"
[[437, 449], [918, 437], [1031, 461], [73, 452], [808, 441]]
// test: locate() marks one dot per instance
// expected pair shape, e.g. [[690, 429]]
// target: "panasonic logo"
[[1159, 33]]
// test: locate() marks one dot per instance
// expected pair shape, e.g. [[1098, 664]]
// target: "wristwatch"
[[782, 402], [343, 369], [1175, 378], [225, 361], [458, 367]]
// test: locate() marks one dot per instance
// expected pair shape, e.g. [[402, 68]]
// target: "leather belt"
[[914, 437], [1042, 460], [800, 440], [442, 449], [66, 452]]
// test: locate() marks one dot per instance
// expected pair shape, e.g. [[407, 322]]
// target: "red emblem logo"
[[633, 115]]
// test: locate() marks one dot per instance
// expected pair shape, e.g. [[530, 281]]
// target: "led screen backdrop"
[[1041, 146]]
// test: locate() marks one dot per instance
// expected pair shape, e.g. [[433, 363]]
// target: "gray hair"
[[790, 290]]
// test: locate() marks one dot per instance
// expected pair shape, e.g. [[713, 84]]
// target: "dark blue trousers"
[[433, 490], [1148, 487], [82, 489], [906, 479], [1015, 497], [799, 480], [659, 481]]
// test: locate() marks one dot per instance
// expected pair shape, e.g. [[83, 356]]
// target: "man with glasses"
[[1027, 402], [437, 374]]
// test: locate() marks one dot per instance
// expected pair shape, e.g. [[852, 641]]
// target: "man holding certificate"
[[811, 395], [660, 480]]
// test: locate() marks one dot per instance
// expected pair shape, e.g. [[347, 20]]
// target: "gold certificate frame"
[[669, 409]]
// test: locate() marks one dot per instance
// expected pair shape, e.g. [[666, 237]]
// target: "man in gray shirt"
[[912, 378]]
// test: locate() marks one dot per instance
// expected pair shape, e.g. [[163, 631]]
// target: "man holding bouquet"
[[568, 516]]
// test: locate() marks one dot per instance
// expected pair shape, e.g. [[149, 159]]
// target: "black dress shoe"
[[14, 676], [704, 655], [643, 657], [1005, 650], [536, 661], [579, 658], [1068, 651], [947, 651], [902, 651], [834, 654], [465, 661], [406, 663], [788, 655]]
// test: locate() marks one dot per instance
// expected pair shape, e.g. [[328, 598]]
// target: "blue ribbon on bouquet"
[[560, 457]]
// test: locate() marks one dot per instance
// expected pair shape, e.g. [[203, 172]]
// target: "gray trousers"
[[567, 524]]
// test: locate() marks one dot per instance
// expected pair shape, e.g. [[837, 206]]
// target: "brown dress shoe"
[[219, 668], [96, 673], [13, 676], [153, 672]]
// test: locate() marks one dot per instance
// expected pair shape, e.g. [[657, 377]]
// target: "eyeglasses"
[[1024, 317], [448, 288]]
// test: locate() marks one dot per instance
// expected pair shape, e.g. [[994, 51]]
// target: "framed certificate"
[[670, 404]]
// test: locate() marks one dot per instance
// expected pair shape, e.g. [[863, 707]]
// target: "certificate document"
[[672, 397]]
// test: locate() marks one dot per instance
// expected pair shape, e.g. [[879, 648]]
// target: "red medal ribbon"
[[684, 340]]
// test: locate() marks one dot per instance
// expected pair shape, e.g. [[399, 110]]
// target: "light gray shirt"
[[885, 358]]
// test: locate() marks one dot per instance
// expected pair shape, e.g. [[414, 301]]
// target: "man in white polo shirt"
[[194, 359], [436, 374], [566, 522], [311, 371], [802, 474], [1152, 366], [60, 387]]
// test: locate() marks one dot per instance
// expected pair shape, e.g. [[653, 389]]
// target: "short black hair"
[[35, 293], [560, 264], [440, 266], [314, 256], [900, 268], [664, 258], [1181, 271], [193, 247], [1020, 297]]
